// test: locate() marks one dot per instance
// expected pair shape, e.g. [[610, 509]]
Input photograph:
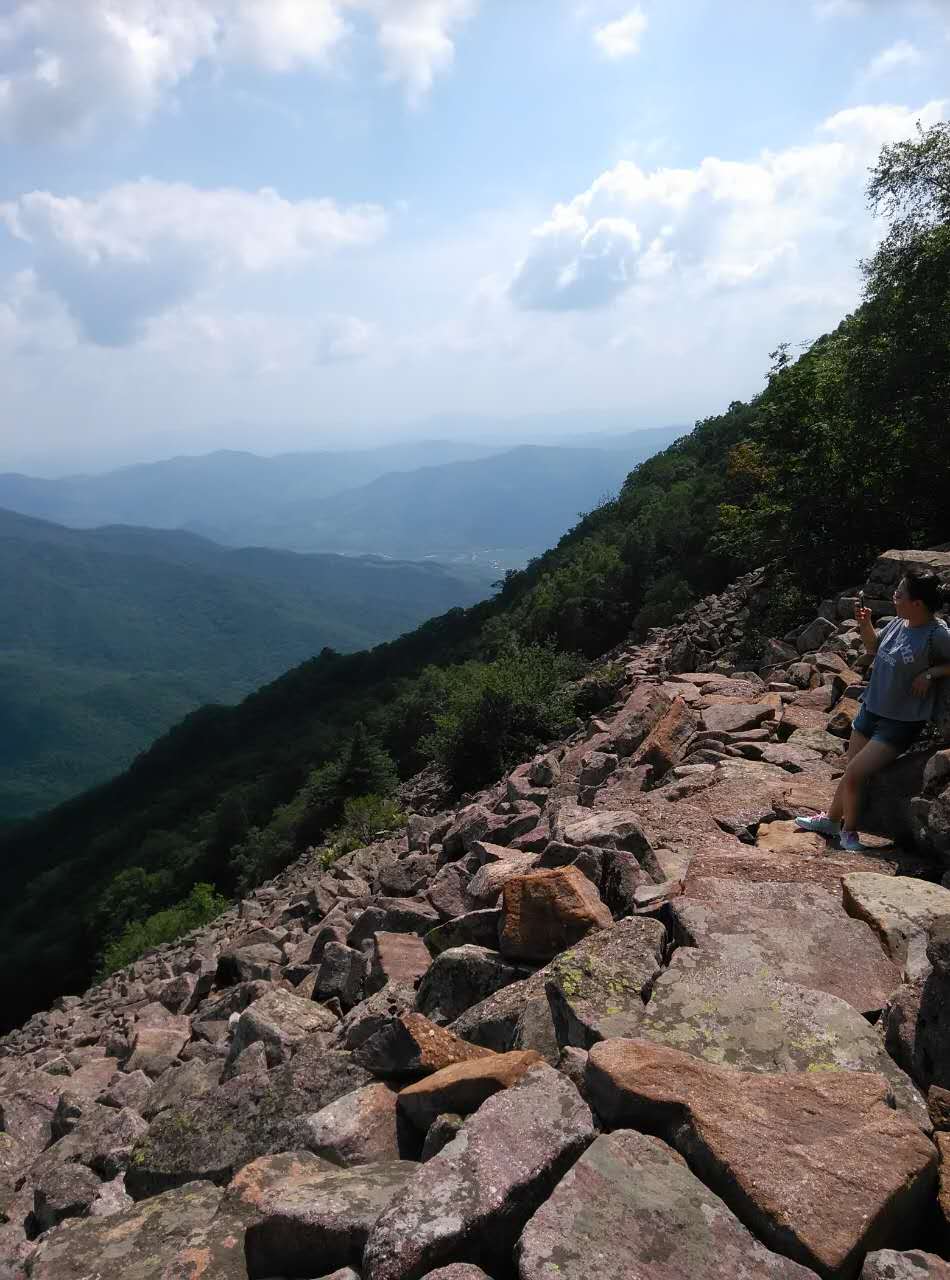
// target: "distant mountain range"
[[438, 499], [109, 636]]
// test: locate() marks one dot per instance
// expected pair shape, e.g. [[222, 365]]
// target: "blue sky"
[[273, 223]]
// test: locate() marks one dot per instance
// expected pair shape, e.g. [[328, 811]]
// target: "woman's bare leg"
[[872, 758], [856, 745]]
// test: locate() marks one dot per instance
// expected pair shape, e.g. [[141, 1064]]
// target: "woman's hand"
[[862, 615], [921, 687]]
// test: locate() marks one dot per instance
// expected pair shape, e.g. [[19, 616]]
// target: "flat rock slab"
[[249, 1190], [815, 948], [597, 989], [815, 1163], [462, 1088], [681, 825], [759, 1023], [802, 864], [135, 1245], [470, 1202], [900, 909], [886, 1264], [631, 1208], [733, 717], [315, 1220]]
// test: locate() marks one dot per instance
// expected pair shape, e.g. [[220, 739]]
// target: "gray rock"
[[470, 1202], [886, 1264], [317, 1220], [359, 1128], [63, 1191], [341, 975], [440, 1133], [280, 1021], [631, 1207], [597, 989], [247, 1117], [161, 1228], [477, 927], [179, 1084], [461, 977], [756, 1022]]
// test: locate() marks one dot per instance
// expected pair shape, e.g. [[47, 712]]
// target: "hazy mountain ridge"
[[428, 499]]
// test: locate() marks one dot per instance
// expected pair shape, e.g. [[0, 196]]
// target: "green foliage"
[[364, 817], [201, 906], [495, 713]]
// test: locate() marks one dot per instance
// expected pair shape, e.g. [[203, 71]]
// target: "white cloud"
[[720, 225], [901, 54], [414, 38], [621, 38], [66, 65], [140, 248]]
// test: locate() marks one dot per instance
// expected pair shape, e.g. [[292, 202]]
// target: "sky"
[[296, 223]]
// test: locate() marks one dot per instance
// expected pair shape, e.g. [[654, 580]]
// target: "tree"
[[367, 767]]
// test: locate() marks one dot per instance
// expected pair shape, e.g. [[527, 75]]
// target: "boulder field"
[[612, 1018]]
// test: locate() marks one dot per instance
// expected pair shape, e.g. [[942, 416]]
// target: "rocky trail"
[[615, 1017]]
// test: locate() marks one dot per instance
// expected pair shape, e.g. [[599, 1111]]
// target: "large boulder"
[[461, 977], [281, 1021], [757, 1022], [900, 909], [252, 1115], [410, 1046], [815, 1163], [887, 1264], [597, 989], [470, 1202], [545, 912], [144, 1242], [313, 1219], [631, 1208], [359, 1128], [666, 743]]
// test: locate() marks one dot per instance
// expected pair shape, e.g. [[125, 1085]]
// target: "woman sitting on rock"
[[911, 653]]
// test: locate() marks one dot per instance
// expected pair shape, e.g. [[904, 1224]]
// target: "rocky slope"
[[613, 1017]]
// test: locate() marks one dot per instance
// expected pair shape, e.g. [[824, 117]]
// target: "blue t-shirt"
[[904, 653]]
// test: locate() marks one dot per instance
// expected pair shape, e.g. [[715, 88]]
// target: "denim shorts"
[[899, 734]]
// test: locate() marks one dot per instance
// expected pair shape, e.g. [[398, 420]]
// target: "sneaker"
[[850, 842], [821, 824]]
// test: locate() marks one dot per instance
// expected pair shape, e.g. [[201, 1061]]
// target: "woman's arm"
[[924, 682], [866, 627]]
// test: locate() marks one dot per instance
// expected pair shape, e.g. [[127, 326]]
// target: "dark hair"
[[926, 587]]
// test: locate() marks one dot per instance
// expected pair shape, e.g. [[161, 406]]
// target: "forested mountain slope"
[[844, 452], [108, 637]]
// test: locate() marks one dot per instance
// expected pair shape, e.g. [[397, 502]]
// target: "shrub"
[[496, 713], [201, 905], [363, 818]]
